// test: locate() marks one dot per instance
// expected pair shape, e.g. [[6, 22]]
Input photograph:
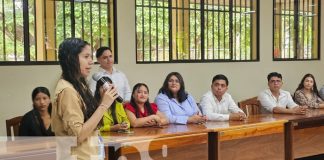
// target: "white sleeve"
[[291, 103], [92, 85], [127, 90], [207, 109], [233, 107], [266, 102]]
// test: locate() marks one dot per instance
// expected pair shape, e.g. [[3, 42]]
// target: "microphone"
[[97, 77]]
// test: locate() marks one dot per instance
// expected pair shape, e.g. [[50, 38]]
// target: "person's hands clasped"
[[197, 119], [300, 110], [121, 126], [237, 116], [153, 120], [157, 120], [108, 97]]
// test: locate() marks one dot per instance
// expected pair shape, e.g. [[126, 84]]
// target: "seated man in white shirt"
[[217, 104], [276, 100], [106, 69]]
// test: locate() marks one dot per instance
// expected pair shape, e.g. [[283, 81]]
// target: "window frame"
[[296, 17], [26, 32], [202, 10]]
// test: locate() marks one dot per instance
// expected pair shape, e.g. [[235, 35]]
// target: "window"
[[296, 29], [196, 30], [30, 32]]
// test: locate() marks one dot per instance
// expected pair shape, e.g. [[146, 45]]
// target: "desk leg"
[[106, 153], [112, 153], [213, 146], [289, 141]]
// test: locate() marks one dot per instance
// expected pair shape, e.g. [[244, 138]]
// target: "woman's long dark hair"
[[36, 114], [182, 94], [301, 84], [69, 51], [98, 98], [147, 104], [45, 91]]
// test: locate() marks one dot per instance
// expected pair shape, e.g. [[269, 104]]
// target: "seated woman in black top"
[[37, 122]]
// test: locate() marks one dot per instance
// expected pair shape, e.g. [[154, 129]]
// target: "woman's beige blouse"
[[68, 119]]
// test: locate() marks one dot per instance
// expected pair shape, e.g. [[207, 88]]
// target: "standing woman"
[[140, 111], [75, 111], [307, 93], [179, 106], [115, 118], [37, 122]]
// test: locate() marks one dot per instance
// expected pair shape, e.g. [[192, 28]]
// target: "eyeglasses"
[[173, 81]]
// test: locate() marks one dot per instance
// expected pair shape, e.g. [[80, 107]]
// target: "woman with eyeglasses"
[[178, 106]]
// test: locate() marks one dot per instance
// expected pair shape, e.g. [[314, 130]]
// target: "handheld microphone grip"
[[119, 99], [106, 85]]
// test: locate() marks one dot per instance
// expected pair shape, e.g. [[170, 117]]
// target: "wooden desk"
[[258, 137], [29, 149], [265, 136], [304, 134], [170, 142]]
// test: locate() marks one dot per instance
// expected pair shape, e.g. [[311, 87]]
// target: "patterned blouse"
[[301, 99]]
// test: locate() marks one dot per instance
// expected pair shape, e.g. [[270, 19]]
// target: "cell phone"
[[124, 124]]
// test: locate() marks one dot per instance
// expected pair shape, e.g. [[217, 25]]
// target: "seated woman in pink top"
[[142, 113], [307, 93]]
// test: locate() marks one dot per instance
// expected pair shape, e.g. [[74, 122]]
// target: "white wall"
[[247, 79]]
